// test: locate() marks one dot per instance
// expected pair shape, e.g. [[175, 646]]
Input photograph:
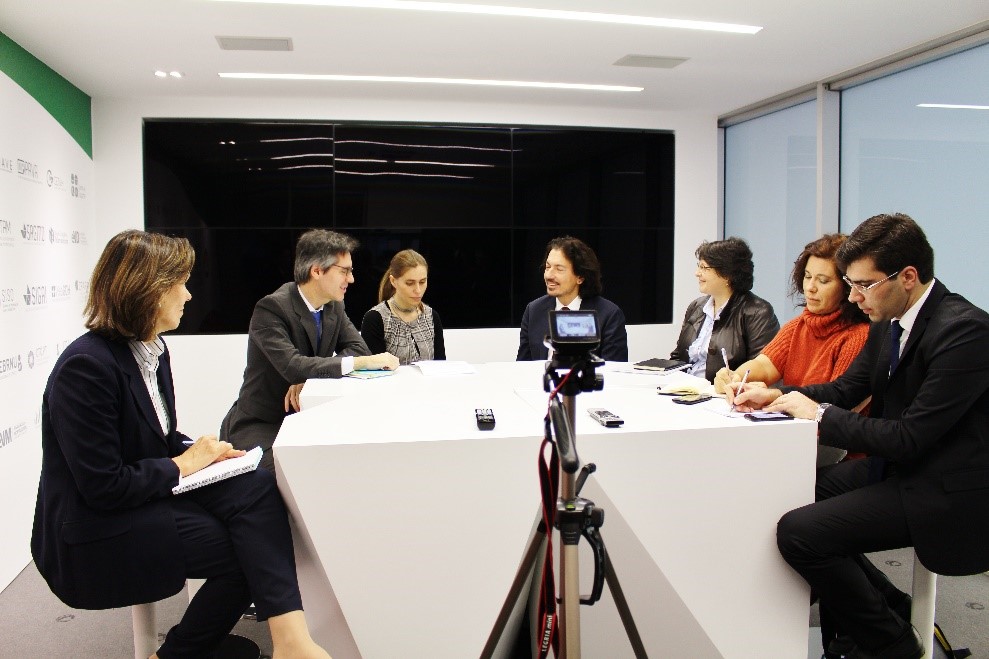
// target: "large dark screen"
[[480, 203]]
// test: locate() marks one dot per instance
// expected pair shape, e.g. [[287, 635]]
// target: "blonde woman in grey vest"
[[401, 323]]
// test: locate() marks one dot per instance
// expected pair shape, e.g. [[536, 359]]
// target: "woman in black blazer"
[[108, 532]]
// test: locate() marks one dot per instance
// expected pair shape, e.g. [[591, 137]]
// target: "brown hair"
[[826, 247], [893, 242], [135, 270], [400, 264]]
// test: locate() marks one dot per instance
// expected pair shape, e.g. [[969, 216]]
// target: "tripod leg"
[[532, 553], [618, 595], [570, 596]]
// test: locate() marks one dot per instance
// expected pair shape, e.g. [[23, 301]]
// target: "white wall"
[[207, 377]]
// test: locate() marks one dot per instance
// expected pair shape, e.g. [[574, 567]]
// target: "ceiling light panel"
[[525, 12], [430, 81]]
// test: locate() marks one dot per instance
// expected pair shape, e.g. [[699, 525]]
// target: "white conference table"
[[410, 523]]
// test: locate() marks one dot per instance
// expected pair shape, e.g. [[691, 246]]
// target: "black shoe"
[[908, 646], [839, 648]]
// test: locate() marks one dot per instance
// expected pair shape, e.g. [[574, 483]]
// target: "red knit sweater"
[[813, 348]]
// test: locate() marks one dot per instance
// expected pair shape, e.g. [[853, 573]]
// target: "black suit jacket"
[[281, 351], [930, 416], [535, 326], [104, 535]]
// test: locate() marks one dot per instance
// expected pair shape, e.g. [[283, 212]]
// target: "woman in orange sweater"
[[818, 345]]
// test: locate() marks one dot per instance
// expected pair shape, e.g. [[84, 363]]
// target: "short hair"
[[583, 260], [893, 242], [826, 247], [400, 264], [732, 259], [135, 270], [322, 248]]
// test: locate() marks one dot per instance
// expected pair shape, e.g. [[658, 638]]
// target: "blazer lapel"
[[920, 325], [306, 321], [139, 390]]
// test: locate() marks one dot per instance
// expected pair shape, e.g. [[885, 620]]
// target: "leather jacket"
[[746, 325]]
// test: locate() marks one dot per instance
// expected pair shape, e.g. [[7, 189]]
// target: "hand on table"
[[292, 397], [383, 361]]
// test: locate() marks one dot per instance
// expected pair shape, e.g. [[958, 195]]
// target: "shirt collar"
[[306, 302], [910, 315], [573, 306], [147, 353]]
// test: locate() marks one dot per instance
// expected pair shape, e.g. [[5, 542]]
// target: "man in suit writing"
[[926, 482], [298, 332], [572, 275]]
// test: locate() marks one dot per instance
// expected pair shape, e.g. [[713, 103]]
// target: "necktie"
[[564, 308], [318, 317], [895, 332]]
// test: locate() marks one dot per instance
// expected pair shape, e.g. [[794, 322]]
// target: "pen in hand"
[[724, 356], [741, 385]]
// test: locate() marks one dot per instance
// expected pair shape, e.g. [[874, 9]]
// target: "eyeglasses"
[[865, 289], [346, 271], [700, 266]]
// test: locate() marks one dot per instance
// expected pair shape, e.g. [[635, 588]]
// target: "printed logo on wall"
[[38, 356], [28, 171], [78, 190], [56, 237], [35, 296], [33, 233], [79, 238], [6, 165], [60, 293], [10, 366], [55, 182], [8, 300], [10, 433], [6, 233]]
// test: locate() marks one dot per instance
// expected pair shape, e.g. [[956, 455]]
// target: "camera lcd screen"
[[572, 325]]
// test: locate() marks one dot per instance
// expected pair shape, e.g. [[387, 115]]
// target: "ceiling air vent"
[[255, 43], [651, 61]]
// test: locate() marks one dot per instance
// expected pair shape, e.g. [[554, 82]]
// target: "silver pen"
[[740, 386]]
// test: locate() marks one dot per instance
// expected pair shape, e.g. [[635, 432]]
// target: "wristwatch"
[[820, 411]]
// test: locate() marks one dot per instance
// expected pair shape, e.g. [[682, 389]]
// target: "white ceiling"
[[110, 48]]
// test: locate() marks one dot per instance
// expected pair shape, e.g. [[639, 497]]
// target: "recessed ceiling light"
[[434, 81], [947, 106], [161, 74], [527, 12], [175, 74]]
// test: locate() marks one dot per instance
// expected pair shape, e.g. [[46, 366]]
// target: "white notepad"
[[219, 471]]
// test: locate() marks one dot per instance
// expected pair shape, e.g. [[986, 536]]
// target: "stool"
[[922, 612], [145, 632]]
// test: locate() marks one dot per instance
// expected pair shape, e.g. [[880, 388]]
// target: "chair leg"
[[922, 612], [145, 633]]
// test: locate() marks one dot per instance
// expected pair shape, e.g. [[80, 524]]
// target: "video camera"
[[574, 337]]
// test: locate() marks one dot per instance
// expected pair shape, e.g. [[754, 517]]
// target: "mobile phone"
[[605, 418], [692, 399], [768, 416]]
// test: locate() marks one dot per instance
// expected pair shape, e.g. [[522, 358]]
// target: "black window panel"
[[243, 192], [410, 176]]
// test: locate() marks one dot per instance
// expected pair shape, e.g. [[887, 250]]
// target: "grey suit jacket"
[[281, 351]]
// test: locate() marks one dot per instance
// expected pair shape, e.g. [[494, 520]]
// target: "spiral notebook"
[[219, 471]]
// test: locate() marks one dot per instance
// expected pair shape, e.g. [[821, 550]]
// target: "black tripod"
[[575, 518]]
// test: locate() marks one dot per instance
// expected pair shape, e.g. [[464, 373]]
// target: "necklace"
[[395, 306]]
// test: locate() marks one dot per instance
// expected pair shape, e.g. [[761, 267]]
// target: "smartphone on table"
[[692, 399]]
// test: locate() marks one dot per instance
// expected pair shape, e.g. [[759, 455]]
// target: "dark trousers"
[[824, 543], [235, 534]]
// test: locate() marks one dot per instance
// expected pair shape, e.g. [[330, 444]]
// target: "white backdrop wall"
[[208, 369], [46, 216]]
